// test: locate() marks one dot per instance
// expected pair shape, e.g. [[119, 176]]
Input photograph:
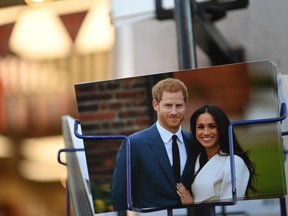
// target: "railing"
[[283, 115]]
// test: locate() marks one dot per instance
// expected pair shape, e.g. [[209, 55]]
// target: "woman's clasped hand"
[[184, 194]]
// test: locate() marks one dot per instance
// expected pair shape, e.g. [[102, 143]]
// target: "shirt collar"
[[166, 135]]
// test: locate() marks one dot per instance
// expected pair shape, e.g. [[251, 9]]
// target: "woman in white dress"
[[212, 176]]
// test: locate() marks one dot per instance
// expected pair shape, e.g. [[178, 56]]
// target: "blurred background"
[[48, 46]]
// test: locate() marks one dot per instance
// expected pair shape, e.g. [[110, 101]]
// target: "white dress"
[[213, 182]]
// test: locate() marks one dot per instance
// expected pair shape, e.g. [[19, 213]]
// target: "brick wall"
[[116, 106], [112, 107]]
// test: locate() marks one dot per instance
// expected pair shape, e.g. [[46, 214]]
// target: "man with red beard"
[[153, 180]]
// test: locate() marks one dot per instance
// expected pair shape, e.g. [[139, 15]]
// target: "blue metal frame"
[[283, 115], [67, 150], [128, 160]]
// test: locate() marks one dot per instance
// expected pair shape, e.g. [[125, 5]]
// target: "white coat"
[[213, 182]]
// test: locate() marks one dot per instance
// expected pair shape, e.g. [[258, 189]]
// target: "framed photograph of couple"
[[243, 91]]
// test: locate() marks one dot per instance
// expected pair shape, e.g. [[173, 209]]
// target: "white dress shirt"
[[166, 136]]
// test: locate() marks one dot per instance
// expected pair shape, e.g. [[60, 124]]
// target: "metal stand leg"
[[212, 211], [283, 206]]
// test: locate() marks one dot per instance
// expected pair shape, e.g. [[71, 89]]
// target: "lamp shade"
[[96, 33], [39, 34]]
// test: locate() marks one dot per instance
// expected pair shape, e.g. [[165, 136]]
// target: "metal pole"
[[169, 212], [283, 206], [212, 211], [186, 45]]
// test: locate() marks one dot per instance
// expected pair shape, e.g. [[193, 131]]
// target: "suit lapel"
[[157, 147], [190, 163]]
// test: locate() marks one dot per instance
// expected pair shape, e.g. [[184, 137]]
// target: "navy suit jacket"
[[153, 183]]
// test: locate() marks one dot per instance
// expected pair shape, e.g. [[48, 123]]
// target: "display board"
[[244, 91]]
